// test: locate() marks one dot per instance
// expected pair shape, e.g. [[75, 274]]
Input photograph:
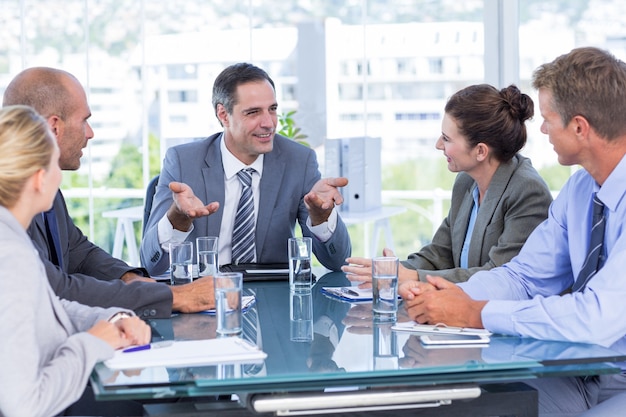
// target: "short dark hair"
[[495, 118], [226, 83]]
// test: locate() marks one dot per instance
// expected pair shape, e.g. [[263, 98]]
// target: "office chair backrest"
[[150, 190]]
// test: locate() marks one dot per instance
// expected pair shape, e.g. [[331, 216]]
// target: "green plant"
[[289, 129]]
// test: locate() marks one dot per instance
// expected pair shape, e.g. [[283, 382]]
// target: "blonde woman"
[[49, 346]]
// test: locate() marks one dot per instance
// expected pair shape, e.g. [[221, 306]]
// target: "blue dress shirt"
[[464, 263], [522, 292]]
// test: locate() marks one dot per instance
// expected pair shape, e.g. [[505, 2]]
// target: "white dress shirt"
[[232, 192]]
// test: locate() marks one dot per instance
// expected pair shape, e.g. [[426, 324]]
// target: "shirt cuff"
[[497, 316], [323, 231], [167, 234]]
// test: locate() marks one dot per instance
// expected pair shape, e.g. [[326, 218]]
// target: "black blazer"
[[90, 275]]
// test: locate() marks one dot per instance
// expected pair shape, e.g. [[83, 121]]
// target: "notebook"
[[226, 350]]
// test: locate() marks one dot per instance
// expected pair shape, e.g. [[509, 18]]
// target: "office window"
[[182, 72], [289, 92], [435, 65], [347, 67], [178, 119], [406, 66], [350, 92], [183, 96]]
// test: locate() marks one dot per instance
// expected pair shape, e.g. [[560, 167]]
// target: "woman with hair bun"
[[498, 197], [49, 346]]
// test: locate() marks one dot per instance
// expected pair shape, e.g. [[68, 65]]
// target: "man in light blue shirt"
[[582, 98]]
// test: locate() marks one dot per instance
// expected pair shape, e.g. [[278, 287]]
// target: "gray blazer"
[[90, 275], [516, 202], [45, 355], [289, 172]]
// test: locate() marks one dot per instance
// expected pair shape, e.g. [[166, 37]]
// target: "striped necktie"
[[243, 232], [594, 259]]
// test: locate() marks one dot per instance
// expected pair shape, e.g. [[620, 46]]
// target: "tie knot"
[[245, 176]]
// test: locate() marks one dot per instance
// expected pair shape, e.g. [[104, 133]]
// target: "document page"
[[189, 353]]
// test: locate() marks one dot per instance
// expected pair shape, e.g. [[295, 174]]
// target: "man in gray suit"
[[84, 272], [286, 183]]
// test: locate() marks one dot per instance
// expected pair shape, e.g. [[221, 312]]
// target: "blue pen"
[[137, 348], [155, 345]]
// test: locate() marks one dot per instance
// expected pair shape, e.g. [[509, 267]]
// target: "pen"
[[349, 291], [137, 348], [155, 345]]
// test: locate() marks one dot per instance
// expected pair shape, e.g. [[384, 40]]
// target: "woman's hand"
[[360, 270], [125, 332]]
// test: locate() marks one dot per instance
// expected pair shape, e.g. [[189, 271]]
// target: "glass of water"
[[206, 247], [300, 278], [181, 263], [385, 287], [228, 288]]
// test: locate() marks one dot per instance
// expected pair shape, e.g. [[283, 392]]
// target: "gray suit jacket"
[[45, 356], [516, 202], [289, 172], [90, 275]]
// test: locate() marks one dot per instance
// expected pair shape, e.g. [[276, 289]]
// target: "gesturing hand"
[[187, 206], [323, 197]]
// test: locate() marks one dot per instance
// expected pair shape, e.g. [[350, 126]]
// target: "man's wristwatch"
[[119, 316]]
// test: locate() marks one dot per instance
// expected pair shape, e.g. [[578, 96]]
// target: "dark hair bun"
[[520, 105]]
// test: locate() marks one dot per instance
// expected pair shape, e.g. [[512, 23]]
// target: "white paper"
[[190, 353]]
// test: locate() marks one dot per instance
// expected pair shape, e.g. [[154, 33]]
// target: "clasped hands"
[[435, 301], [440, 301]]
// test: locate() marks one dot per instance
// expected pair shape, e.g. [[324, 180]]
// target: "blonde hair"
[[26, 146]]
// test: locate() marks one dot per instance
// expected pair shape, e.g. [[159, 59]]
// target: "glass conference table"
[[353, 366]]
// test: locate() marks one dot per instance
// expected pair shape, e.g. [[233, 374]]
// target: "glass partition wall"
[[348, 68]]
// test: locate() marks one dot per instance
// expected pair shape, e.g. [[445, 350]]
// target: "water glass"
[[301, 316], [228, 288], [181, 263], [385, 287], [206, 248], [300, 278]]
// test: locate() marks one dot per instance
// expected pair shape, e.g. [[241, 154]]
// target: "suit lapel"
[[41, 237], [497, 187], [213, 179], [60, 209], [273, 171]]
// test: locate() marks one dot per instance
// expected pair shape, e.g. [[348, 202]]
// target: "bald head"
[[47, 90], [60, 98]]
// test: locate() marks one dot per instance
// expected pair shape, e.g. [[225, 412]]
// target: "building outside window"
[[348, 68]]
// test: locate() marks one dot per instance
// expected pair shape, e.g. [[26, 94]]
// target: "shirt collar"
[[232, 165]]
